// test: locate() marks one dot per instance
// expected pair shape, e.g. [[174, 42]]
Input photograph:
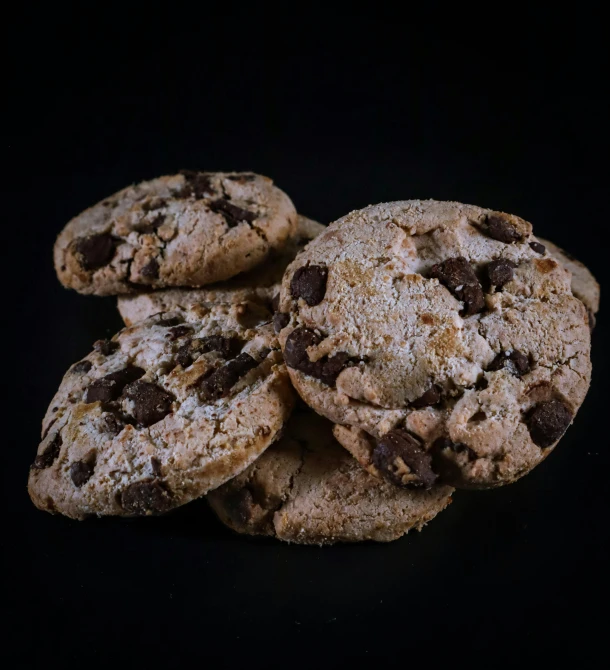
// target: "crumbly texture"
[[584, 285], [306, 489], [445, 332], [261, 284], [162, 413], [190, 229]]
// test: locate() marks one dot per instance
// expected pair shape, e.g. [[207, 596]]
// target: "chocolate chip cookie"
[[162, 413], [190, 229], [261, 284], [306, 489], [443, 331]]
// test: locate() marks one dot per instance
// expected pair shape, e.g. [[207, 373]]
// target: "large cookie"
[[584, 285], [162, 413], [444, 331], [261, 284], [306, 489], [190, 229]]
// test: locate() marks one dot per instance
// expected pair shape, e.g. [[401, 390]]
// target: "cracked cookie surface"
[[261, 284], [162, 413], [445, 332], [308, 490], [191, 229]]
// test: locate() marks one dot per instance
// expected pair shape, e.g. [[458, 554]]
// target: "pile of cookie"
[[431, 345]]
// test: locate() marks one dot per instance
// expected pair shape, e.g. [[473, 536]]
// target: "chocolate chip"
[[177, 332], [82, 471], [514, 361], [168, 322], [150, 402], [500, 272], [149, 227], [94, 251], [148, 496], [229, 347], [280, 320], [221, 381], [242, 177], [49, 455], [151, 269], [430, 397], [590, 319], [155, 465], [275, 303], [548, 422], [459, 277], [500, 228], [111, 386], [152, 205], [233, 215], [309, 283], [106, 347], [239, 505], [326, 369], [197, 184], [537, 247], [398, 449], [184, 356], [112, 424], [81, 367]]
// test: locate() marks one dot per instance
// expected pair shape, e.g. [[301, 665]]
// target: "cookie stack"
[[433, 345]]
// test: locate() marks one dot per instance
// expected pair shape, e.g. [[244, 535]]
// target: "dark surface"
[[340, 115]]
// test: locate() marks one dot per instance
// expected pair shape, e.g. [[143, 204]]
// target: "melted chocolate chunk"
[[197, 184], [548, 422], [326, 369], [403, 460], [82, 471], [500, 272], [221, 381], [81, 367], [309, 283], [431, 397], [228, 347], [155, 465], [280, 320], [501, 229], [146, 497], [151, 269], [275, 303], [106, 347], [150, 402], [168, 322], [242, 177], [184, 355], [149, 227], [112, 424], [239, 505], [514, 361], [459, 277], [94, 251], [154, 204], [111, 386], [233, 214], [176, 332], [537, 247], [48, 456]]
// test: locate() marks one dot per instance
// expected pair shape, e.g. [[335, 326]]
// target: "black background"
[[341, 113]]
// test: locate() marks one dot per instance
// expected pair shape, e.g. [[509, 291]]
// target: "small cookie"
[[306, 489], [584, 285], [162, 413], [445, 333], [260, 284], [190, 229]]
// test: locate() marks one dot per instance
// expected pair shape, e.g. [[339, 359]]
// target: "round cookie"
[[306, 489], [584, 285], [162, 413], [444, 331], [260, 284], [191, 229]]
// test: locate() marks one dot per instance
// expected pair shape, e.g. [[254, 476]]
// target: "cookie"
[[261, 284], [191, 229], [306, 489], [443, 333], [162, 413], [584, 285]]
